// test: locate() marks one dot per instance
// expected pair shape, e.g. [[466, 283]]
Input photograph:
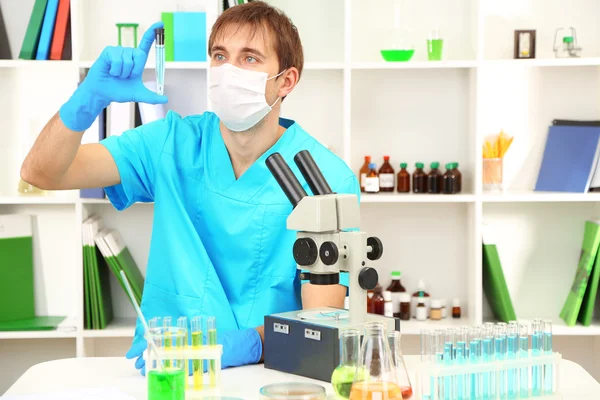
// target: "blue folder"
[[45, 42], [189, 36], [569, 160]]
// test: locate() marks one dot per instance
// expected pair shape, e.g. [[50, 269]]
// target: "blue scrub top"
[[219, 245]]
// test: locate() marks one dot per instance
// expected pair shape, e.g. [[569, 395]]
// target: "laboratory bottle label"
[[387, 309], [386, 180], [372, 184], [363, 180], [396, 302]]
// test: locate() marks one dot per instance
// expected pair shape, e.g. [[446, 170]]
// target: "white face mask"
[[237, 96]]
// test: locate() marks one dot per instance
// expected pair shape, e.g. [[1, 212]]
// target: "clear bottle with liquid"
[[394, 338], [344, 374], [378, 378]]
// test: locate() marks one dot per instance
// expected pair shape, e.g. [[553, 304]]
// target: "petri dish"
[[293, 391]]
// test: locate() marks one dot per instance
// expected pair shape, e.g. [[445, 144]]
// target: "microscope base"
[[298, 344]]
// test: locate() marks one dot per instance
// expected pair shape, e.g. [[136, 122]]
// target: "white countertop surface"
[[244, 382]]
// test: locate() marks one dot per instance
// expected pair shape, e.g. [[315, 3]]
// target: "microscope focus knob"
[[376, 248], [329, 253], [305, 252], [368, 278]]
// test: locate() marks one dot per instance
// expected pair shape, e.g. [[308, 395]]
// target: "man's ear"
[[290, 78]]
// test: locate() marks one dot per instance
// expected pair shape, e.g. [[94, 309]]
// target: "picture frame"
[[525, 44]]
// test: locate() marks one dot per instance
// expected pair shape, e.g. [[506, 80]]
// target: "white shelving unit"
[[356, 104]]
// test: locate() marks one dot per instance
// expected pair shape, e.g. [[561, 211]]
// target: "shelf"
[[55, 334], [117, 328], [414, 327], [168, 65], [415, 65], [544, 62], [36, 200], [323, 65], [28, 63], [538, 197], [416, 198]]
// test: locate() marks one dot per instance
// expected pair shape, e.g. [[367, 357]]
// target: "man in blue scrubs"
[[219, 241]]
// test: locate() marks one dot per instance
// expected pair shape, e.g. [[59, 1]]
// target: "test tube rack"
[[210, 386], [466, 381]]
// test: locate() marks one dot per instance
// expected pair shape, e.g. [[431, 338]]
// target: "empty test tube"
[[197, 342], [159, 46], [211, 328], [536, 351], [523, 353], [500, 354], [512, 342], [547, 347], [427, 355]]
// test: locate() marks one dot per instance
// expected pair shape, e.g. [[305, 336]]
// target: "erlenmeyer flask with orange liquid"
[[378, 379], [398, 361]]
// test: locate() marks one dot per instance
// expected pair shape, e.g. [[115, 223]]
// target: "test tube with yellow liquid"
[[211, 328], [197, 343], [183, 340], [168, 337]]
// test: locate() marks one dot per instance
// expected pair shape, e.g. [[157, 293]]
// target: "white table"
[[244, 382]]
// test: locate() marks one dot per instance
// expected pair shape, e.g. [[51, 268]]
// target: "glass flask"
[[397, 45], [343, 376], [377, 378], [398, 361]]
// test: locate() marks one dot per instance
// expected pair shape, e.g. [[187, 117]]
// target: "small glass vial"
[[403, 179], [455, 308], [421, 314], [372, 179], [458, 177], [388, 307], [444, 309], [449, 180], [386, 176], [436, 310], [419, 179], [434, 179], [404, 306]]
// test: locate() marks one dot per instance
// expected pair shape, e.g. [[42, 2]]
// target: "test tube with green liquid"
[[197, 342], [167, 321], [211, 328]]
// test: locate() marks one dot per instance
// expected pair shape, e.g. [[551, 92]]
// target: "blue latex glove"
[[116, 76], [240, 347]]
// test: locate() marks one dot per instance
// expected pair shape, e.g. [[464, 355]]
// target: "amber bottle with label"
[[419, 179], [372, 179], [364, 170], [386, 176], [434, 179], [403, 179]]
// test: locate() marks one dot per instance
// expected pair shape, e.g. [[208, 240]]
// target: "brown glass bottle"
[[396, 289], [364, 170], [403, 179], [419, 179], [377, 302], [386, 176], [404, 306], [458, 177], [455, 308], [372, 179], [449, 180], [434, 179]]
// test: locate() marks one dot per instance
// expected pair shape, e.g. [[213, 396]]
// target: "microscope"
[[328, 241]]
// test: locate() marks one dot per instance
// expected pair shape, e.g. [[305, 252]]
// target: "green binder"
[[32, 34], [32, 324], [16, 268], [589, 299], [494, 282], [167, 19], [587, 257]]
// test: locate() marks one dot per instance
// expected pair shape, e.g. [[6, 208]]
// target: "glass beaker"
[[398, 361], [377, 379], [343, 376], [166, 363], [435, 46], [293, 391], [492, 174]]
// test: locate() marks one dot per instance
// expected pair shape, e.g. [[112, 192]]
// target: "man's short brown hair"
[[260, 15]]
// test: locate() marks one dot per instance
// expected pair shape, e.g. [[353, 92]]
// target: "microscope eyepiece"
[[285, 178], [311, 173]]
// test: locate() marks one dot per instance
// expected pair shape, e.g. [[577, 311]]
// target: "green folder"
[[589, 299], [86, 282], [494, 282], [32, 324], [167, 19], [32, 34], [587, 257], [16, 268]]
